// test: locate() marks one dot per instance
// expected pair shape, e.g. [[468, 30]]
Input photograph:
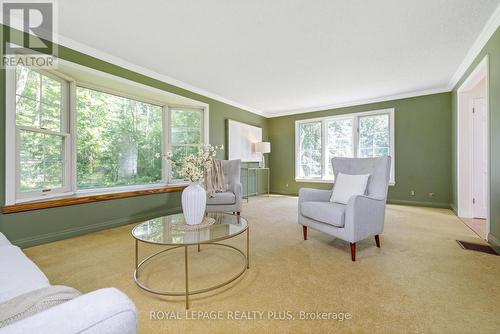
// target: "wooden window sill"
[[79, 199]]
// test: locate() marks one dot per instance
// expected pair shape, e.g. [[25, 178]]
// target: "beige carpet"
[[419, 281]]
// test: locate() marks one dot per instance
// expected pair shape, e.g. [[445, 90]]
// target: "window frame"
[[68, 124], [90, 191], [298, 161], [355, 135], [64, 133]]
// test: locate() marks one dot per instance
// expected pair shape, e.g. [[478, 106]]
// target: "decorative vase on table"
[[193, 168], [194, 201]]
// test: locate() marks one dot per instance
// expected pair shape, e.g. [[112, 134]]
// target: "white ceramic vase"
[[194, 202]]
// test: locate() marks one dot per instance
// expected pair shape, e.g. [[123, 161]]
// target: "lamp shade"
[[263, 147]]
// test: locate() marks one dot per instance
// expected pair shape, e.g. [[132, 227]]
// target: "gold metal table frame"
[[187, 292]]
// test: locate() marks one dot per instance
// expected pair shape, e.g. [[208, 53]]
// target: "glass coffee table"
[[169, 231]]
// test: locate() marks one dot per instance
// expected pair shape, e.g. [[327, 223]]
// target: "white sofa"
[[102, 311]]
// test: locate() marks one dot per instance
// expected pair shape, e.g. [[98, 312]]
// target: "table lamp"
[[263, 147]]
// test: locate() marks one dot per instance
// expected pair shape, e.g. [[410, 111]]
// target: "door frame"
[[478, 167], [465, 143]]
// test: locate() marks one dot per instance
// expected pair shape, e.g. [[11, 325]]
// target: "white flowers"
[[194, 166]]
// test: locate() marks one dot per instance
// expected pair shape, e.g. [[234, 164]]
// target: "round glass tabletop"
[[162, 230]]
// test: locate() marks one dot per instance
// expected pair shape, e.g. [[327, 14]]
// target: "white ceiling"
[[285, 56]]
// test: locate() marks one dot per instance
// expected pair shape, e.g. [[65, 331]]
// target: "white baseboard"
[[420, 203]]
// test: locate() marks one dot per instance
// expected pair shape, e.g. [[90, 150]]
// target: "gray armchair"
[[362, 217], [230, 200]]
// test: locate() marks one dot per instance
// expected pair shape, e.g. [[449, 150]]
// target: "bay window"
[[363, 135], [70, 137]]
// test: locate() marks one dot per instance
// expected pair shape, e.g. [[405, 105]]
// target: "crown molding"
[[279, 113], [101, 55], [481, 40], [489, 29]]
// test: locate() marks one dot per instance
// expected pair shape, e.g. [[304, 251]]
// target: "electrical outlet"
[[431, 194], [286, 185], [412, 192]]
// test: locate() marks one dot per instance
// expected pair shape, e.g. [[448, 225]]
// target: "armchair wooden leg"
[[377, 240], [238, 213], [304, 231], [353, 251]]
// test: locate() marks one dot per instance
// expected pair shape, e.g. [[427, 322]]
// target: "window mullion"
[[18, 162], [11, 142], [355, 132], [166, 144], [39, 102], [324, 155], [71, 123], [42, 130], [297, 150]]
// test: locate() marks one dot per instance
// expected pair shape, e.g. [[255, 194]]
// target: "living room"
[[220, 166]]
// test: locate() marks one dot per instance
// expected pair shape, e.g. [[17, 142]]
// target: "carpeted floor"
[[419, 281]]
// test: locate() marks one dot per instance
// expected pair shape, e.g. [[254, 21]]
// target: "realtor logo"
[[30, 35]]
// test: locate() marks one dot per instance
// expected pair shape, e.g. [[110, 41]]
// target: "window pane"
[[41, 160], [27, 111], [310, 149], [38, 100], [51, 91], [186, 126], [51, 118], [186, 135], [118, 140], [178, 154], [339, 141], [374, 136], [27, 83]]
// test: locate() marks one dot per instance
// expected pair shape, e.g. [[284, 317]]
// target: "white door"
[[480, 158]]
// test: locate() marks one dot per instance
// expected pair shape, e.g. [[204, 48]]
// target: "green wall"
[[422, 149], [40, 226], [425, 146], [492, 48]]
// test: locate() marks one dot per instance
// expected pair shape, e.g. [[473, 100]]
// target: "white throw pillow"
[[347, 185]]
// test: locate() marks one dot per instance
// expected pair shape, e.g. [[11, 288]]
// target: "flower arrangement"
[[194, 166]]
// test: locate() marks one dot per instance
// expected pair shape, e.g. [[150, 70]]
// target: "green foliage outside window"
[[374, 136], [186, 136], [373, 141], [118, 140], [339, 141], [310, 149], [38, 108]]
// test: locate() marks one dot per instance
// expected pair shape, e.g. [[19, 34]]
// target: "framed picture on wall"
[[241, 141]]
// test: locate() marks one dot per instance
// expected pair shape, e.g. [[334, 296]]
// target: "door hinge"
[[473, 201], [473, 110]]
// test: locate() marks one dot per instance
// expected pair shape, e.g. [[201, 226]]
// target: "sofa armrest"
[[314, 195], [103, 311], [364, 217]]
